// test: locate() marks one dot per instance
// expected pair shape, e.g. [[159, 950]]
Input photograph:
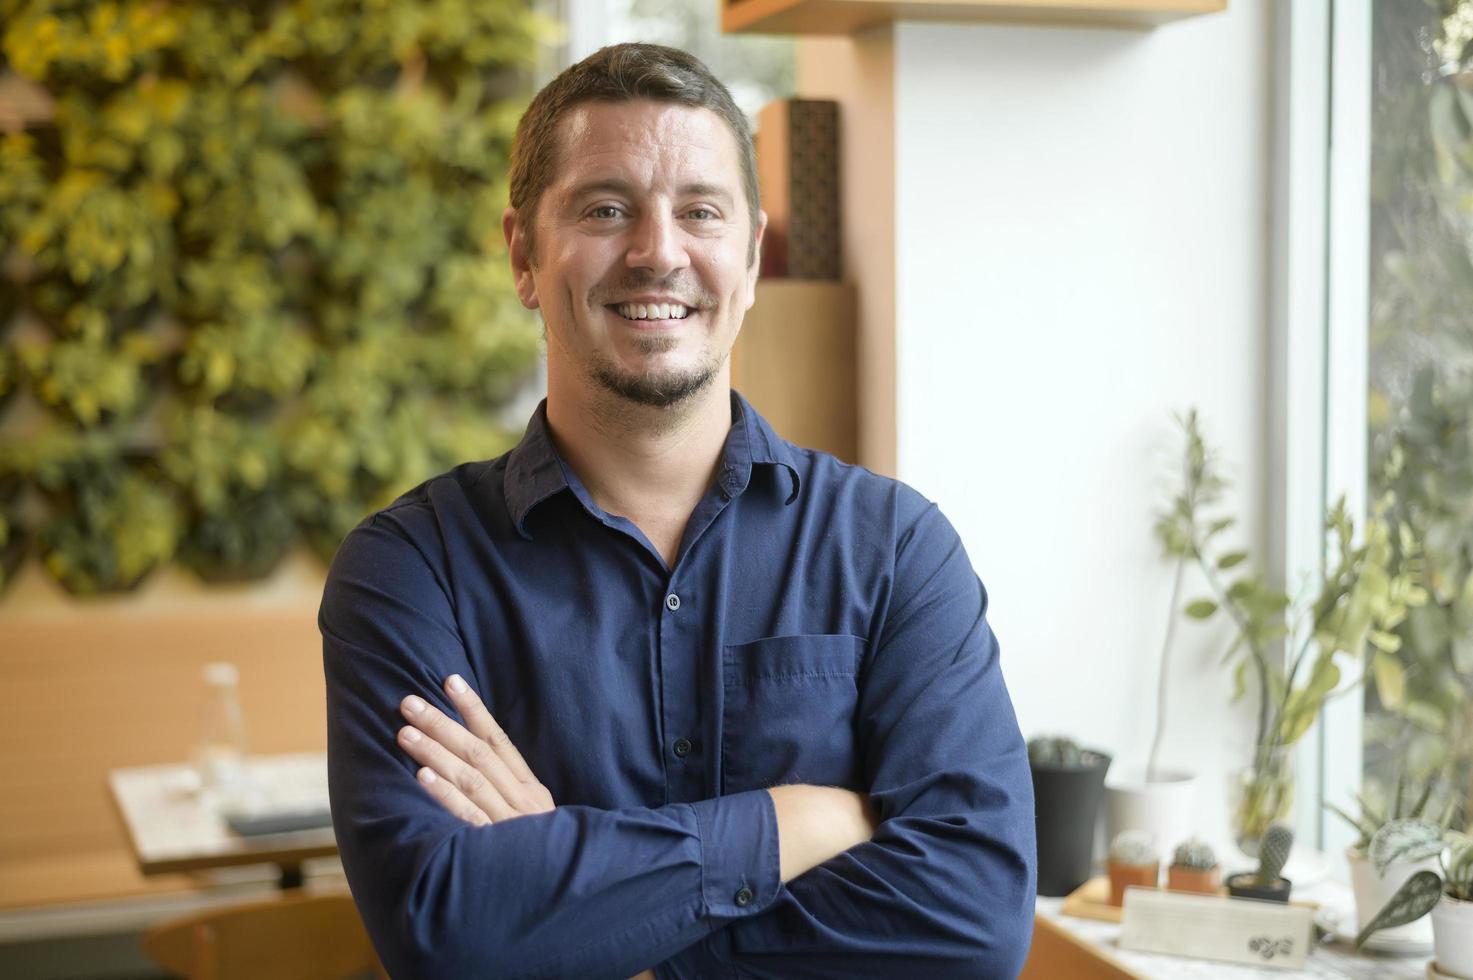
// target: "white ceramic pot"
[[1166, 808], [1373, 891], [1452, 935]]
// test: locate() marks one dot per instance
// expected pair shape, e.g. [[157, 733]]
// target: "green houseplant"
[[1446, 892], [1373, 885], [1367, 591]]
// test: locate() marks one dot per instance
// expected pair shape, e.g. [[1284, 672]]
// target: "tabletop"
[[173, 825], [1329, 960]]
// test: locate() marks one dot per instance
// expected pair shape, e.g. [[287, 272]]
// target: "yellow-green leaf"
[[1391, 679]]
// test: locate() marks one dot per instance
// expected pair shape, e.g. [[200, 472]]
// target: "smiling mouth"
[[651, 311]]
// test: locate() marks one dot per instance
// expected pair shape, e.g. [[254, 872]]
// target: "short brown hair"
[[619, 73]]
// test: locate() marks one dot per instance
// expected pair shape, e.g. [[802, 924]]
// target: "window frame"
[[1320, 339]]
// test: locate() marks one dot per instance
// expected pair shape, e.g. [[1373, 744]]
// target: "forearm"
[[816, 823]]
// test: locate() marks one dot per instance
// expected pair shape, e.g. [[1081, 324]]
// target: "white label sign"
[[1210, 927]]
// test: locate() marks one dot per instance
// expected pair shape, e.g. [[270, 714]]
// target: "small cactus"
[[1273, 852], [1060, 751], [1195, 854], [1133, 847]]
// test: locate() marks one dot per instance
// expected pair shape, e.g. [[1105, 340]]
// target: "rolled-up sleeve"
[[945, 888], [577, 891]]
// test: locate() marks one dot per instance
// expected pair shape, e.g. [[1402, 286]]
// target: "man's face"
[[641, 268]]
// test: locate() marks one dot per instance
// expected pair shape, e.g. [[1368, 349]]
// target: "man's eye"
[[703, 214], [604, 211]]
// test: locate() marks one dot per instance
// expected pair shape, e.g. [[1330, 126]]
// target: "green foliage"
[[1412, 801], [1367, 592], [1415, 840], [1421, 386], [280, 227], [91, 379], [114, 525]]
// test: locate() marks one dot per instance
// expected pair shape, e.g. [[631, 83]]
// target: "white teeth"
[[653, 311]]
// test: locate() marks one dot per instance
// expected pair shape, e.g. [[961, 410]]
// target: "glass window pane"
[[1419, 698]]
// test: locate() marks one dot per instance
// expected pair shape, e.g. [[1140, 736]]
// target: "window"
[[1418, 712]]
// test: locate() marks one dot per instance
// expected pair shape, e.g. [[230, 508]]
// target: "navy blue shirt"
[[821, 624]]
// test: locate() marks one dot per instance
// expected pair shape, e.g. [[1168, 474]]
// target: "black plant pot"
[[1245, 884], [1066, 805]]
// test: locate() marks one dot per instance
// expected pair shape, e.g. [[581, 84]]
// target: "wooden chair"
[[294, 937]]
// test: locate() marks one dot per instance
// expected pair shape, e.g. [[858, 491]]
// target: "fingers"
[[453, 777], [482, 725], [457, 755], [451, 798]]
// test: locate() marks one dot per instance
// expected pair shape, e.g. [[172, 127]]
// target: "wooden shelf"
[[849, 16]]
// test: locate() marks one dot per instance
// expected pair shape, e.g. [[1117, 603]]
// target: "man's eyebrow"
[[616, 186]]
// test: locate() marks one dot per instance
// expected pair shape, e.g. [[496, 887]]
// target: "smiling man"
[[658, 692]]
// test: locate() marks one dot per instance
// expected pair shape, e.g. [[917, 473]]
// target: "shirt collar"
[[535, 471]]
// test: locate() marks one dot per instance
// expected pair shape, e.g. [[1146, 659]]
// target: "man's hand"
[[478, 775]]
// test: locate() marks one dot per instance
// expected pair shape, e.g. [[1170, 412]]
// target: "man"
[[658, 691]]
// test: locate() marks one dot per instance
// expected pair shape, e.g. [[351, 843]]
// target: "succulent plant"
[[1273, 853], [1195, 854], [1061, 752], [1134, 848]]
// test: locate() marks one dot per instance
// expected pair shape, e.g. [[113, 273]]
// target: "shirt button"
[[682, 747], [672, 602], [744, 897]]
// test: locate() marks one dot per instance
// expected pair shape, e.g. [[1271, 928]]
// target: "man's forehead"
[[600, 136]]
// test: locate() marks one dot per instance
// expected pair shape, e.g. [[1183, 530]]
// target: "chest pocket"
[[788, 715]]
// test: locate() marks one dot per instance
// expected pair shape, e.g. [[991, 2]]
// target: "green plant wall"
[[254, 282]]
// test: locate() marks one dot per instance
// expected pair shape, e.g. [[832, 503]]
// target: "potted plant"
[[1366, 592], [1133, 861], [1446, 892], [1194, 868], [1156, 799], [1068, 782], [1268, 882], [1372, 887]]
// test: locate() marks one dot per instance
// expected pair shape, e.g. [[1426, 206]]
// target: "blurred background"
[[1166, 306]]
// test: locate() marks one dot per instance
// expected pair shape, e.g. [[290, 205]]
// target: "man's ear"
[[756, 259], [521, 259]]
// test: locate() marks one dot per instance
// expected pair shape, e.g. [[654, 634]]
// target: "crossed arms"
[[755, 882]]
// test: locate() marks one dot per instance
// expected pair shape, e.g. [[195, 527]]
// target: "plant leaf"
[[1405, 840], [1391, 680], [1231, 558], [1201, 609], [1414, 899]]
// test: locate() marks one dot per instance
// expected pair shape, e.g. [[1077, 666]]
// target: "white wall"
[[1082, 248]]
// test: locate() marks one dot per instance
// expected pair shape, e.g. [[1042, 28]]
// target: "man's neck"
[[637, 461]]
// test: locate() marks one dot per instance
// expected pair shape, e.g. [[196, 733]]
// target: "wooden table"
[[172, 826]]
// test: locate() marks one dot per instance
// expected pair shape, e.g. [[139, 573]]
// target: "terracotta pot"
[[1206, 882], [1124, 875], [1245, 884]]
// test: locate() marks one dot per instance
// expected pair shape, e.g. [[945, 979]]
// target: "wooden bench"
[[90, 685]]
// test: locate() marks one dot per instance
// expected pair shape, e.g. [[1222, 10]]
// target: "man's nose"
[[658, 246]]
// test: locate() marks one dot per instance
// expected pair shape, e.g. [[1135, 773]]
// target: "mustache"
[[687, 291]]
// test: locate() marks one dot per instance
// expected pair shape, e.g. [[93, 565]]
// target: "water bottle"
[[221, 752]]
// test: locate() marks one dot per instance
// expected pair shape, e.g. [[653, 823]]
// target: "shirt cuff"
[[740, 874]]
